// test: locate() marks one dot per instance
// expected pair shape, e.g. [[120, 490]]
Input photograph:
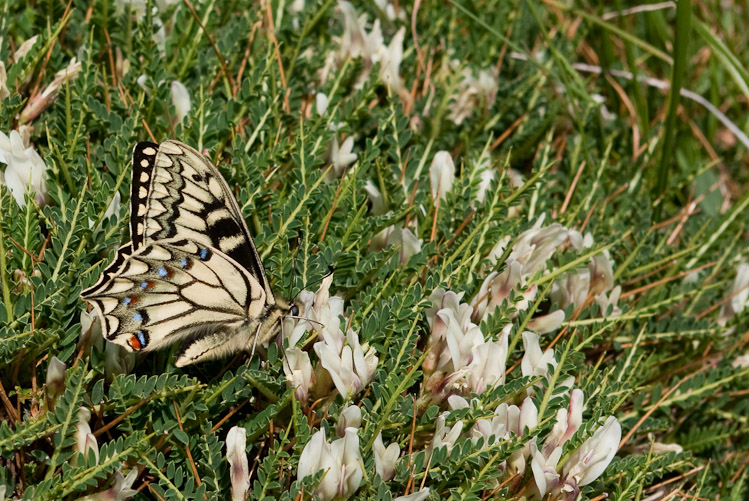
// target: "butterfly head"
[[275, 315], [289, 309]]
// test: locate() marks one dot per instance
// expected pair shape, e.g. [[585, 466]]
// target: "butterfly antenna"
[[306, 319], [331, 269]]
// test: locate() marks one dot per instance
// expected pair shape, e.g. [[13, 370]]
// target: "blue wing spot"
[[143, 285], [126, 301], [142, 339], [137, 317], [183, 262], [205, 254], [162, 272]]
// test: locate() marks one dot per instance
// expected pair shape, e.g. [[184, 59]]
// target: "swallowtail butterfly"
[[191, 273]]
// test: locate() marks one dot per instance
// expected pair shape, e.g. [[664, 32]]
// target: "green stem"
[[3, 264]]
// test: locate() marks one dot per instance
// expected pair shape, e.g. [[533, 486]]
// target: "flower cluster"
[[460, 361], [343, 361], [370, 45], [471, 93], [584, 465], [26, 172]]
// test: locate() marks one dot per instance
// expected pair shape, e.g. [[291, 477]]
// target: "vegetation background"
[[623, 120]]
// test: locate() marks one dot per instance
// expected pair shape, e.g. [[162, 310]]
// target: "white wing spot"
[[228, 244], [171, 148], [144, 175], [149, 151], [140, 228], [141, 210], [144, 163], [142, 192], [163, 161]]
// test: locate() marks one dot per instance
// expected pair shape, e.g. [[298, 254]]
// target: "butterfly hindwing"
[[176, 191], [176, 290]]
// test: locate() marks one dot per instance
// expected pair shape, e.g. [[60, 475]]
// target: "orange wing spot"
[[134, 343], [130, 300]]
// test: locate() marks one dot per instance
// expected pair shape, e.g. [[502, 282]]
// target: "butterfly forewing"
[[176, 191], [173, 290], [191, 273]]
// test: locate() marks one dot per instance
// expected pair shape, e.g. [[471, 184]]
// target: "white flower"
[[444, 436], [321, 103], [571, 288], [390, 59], [409, 244], [603, 301], [90, 332], [487, 369], [661, 448], [545, 468], [568, 422], [535, 362], [741, 361], [356, 42], [440, 298], [497, 251], [415, 496], [4, 92], [296, 6], [739, 295], [508, 420], [601, 272], [472, 93], [121, 489], [55, 383], [180, 100], [41, 102], [535, 246], [122, 64], [236, 455], [450, 347], [375, 198], [298, 370], [441, 175], [142, 83], [118, 360], [24, 48], [486, 177], [353, 41], [350, 418], [320, 312], [385, 458], [112, 209], [389, 10], [461, 337], [340, 157], [84, 439], [547, 323], [341, 461], [593, 457], [496, 289], [26, 170], [351, 369]]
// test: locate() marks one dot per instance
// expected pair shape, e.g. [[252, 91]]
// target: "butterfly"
[[191, 273]]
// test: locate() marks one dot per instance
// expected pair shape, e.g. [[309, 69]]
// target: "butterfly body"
[[191, 273]]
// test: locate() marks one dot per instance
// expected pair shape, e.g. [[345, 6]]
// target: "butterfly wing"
[[178, 290], [176, 191]]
